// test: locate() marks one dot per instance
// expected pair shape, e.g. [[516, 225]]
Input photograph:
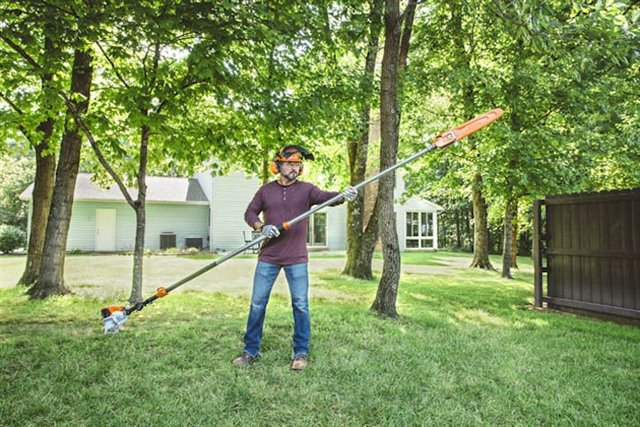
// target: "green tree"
[[398, 27], [30, 58], [84, 20], [11, 238], [15, 175], [361, 239], [202, 89], [548, 64]]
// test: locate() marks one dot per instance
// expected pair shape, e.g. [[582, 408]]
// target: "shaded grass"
[[468, 350]]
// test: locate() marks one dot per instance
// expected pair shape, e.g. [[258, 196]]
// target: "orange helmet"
[[290, 153]]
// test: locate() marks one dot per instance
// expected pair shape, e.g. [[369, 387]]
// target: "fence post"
[[537, 253]]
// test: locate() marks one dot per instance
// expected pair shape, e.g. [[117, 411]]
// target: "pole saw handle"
[[467, 128]]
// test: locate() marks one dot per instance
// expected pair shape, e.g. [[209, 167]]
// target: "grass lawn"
[[468, 350], [416, 258]]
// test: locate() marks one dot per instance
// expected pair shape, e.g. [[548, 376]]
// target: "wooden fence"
[[588, 245]]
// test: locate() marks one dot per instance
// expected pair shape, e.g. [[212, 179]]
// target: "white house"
[[208, 212]]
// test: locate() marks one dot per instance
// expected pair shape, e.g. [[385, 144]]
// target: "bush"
[[11, 237]]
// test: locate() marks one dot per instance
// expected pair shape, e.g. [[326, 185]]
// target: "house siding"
[[337, 227], [220, 222], [185, 220], [231, 195]]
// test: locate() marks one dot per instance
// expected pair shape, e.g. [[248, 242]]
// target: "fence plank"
[[537, 253]]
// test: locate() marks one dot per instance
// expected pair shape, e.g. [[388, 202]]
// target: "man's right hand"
[[270, 231]]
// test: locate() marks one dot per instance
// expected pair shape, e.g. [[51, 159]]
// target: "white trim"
[[326, 231], [433, 237]]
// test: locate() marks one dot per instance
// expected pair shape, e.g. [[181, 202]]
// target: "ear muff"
[[273, 167]]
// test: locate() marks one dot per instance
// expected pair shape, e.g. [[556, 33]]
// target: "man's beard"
[[291, 176]]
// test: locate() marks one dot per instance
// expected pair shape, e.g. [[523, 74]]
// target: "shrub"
[[11, 237]]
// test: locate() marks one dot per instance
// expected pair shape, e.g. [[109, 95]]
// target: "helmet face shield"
[[293, 153], [290, 156]]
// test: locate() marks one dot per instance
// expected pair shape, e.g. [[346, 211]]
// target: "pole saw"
[[114, 316]]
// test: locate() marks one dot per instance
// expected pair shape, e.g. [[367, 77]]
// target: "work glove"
[[350, 193], [270, 231]]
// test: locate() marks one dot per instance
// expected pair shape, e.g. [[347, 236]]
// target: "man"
[[279, 201]]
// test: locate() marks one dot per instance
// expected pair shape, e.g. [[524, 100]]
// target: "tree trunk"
[[468, 214], [360, 240], [51, 276], [42, 187], [507, 246], [385, 302], [458, 233], [139, 207], [265, 173], [480, 228], [41, 197], [514, 237], [138, 256]]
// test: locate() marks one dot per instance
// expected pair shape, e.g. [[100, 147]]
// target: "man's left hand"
[[350, 193]]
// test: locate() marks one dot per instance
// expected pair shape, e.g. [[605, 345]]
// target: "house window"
[[419, 233], [317, 229]]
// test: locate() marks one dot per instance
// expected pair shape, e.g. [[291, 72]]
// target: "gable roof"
[[419, 204], [159, 189]]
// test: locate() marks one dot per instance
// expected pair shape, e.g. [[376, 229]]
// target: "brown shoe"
[[300, 361], [245, 359]]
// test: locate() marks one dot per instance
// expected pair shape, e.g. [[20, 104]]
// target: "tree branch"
[[103, 161], [156, 61], [408, 15], [23, 53], [17, 109], [185, 85], [57, 7], [113, 66], [11, 103]]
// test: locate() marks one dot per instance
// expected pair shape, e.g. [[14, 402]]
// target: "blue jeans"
[[263, 280]]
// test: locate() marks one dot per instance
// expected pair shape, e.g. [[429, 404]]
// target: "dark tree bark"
[[266, 173], [514, 238], [385, 301], [41, 204], [480, 227], [361, 240], [51, 276], [507, 247]]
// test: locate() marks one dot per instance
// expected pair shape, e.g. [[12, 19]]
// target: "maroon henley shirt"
[[281, 203]]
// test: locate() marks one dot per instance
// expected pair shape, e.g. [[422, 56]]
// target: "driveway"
[[103, 276]]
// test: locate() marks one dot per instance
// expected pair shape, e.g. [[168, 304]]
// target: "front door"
[[105, 230]]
